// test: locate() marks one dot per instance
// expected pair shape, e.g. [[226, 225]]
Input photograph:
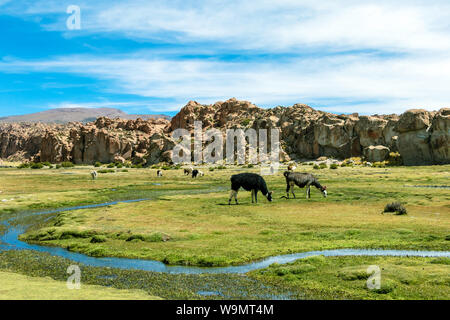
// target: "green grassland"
[[201, 229], [188, 221], [20, 287]]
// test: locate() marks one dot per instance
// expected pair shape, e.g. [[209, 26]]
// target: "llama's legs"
[[308, 191], [233, 194], [292, 189], [253, 196], [256, 196]]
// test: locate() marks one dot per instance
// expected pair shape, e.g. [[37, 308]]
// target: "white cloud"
[[397, 83], [283, 25], [410, 38]]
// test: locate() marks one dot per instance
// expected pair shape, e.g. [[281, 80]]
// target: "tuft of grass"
[[154, 237], [443, 260], [395, 207], [98, 239]]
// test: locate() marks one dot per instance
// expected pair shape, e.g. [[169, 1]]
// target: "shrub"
[[323, 166], [119, 166], [355, 160], [348, 162], [316, 167], [245, 122], [58, 166], [166, 168], [97, 164], [333, 166], [211, 169], [111, 165], [221, 167], [395, 207], [24, 165], [395, 159], [98, 239], [124, 170], [106, 171], [47, 164], [381, 164], [67, 164], [250, 165], [37, 165]]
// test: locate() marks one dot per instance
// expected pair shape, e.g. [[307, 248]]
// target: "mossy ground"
[[346, 277]]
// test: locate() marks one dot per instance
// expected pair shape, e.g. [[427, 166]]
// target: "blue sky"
[[154, 56]]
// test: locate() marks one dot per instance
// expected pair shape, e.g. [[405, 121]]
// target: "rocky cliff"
[[421, 137]]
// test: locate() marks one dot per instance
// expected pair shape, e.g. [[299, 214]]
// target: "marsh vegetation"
[[188, 221]]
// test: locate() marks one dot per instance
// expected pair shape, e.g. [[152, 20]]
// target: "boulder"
[[376, 153], [414, 136], [440, 137]]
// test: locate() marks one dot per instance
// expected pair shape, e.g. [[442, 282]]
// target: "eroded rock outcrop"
[[421, 137]]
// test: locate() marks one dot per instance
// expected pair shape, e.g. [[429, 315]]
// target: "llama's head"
[[324, 191], [269, 196]]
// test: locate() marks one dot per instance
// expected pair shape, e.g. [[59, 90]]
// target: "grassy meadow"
[[189, 222], [20, 287]]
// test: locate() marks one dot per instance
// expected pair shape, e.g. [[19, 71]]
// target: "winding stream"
[[9, 241]]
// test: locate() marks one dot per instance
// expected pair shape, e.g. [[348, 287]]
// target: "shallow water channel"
[[9, 241]]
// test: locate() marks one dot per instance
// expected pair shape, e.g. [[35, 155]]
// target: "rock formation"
[[421, 137], [376, 153]]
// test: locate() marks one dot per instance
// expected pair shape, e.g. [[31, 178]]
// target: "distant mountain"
[[64, 115]]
